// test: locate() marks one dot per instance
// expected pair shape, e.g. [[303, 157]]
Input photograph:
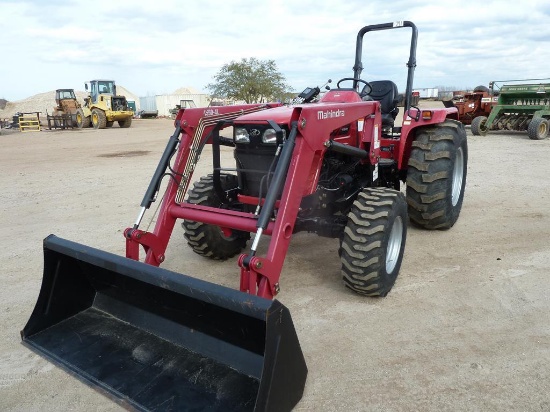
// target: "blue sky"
[[157, 47]]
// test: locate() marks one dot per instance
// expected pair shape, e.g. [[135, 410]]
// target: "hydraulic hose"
[[153, 188], [279, 178], [154, 185]]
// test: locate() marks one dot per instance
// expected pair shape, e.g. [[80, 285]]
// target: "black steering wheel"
[[367, 88]]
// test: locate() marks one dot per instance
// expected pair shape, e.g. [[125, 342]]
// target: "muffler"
[[161, 341]]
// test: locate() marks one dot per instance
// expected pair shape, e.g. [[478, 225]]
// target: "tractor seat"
[[385, 91]]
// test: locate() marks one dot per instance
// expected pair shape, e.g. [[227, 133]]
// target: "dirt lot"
[[466, 327]]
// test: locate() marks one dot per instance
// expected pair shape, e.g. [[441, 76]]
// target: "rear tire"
[[436, 177], [125, 123], [478, 126], [374, 241], [538, 129], [99, 120], [209, 240]]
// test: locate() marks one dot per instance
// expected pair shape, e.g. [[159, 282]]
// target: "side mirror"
[[86, 86]]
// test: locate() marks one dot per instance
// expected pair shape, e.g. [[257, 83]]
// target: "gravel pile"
[[186, 90]]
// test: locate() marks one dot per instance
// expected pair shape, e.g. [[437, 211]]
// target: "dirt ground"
[[466, 327]]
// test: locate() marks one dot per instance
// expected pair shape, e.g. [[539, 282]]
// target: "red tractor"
[[333, 167], [318, 168]]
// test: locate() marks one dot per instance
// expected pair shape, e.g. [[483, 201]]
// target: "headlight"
[[241, 135], [270, 136]]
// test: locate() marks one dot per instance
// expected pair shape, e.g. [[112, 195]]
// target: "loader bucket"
[[157, 340]]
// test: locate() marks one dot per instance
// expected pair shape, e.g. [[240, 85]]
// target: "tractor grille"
[[255, 167], [120, 104]]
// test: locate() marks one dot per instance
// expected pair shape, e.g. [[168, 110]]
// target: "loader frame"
[[259, 275]]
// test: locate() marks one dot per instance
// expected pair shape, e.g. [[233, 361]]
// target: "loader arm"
[[195, 127]]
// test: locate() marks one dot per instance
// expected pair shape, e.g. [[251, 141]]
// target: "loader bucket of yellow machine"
[[157, 340]]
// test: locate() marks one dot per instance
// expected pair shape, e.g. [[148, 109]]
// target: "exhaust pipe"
[[158, 340]]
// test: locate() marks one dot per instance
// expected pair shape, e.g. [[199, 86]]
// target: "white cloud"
[[157, 47]]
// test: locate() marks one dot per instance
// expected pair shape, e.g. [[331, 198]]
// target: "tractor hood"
[[284, 114], [280, 115]]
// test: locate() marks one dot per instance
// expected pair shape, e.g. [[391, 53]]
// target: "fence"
[[29, 122]]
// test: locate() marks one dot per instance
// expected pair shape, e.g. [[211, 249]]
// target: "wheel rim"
[[394, 245], [482, 125], [542, 129], [227, 234], [94, 118], [458, 173]]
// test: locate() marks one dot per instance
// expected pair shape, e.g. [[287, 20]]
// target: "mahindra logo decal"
[[254, 132], [329, 114]]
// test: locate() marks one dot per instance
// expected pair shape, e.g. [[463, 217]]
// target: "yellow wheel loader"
[[103, 107]]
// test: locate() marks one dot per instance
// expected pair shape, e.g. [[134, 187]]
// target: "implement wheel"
[[209, 240], [99, 120], [538, 129], [436, 176], [478, 126], [374, 241]]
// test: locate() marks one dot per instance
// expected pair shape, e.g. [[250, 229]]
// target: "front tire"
[[99, 120], [537, 129], [209, 240], [374, 241], [81, 121], [125, 123], [436, 177]]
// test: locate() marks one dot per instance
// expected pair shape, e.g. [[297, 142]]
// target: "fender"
[[427, 117]]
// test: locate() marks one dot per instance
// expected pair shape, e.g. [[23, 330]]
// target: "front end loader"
[[103, 107], [159, 340]]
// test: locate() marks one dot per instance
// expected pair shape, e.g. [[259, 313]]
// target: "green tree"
[[251, 80]]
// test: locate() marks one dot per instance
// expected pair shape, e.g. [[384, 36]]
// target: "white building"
[[163, 103], [427, 93]]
